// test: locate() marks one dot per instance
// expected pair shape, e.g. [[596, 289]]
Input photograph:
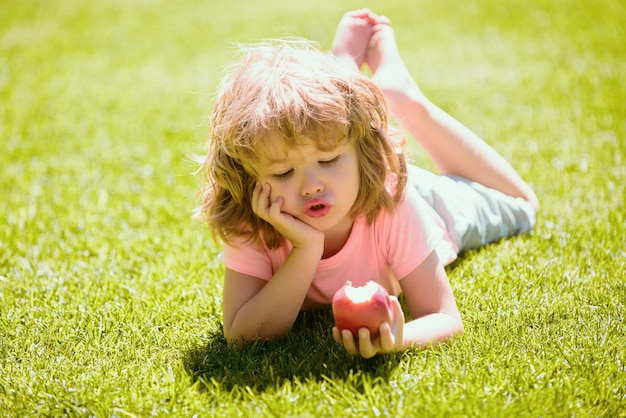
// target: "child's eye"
[[283, 175], [330, 162]]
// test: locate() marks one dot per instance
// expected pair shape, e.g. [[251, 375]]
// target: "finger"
[[398, 313], [337, 335], [366, 348], [397, 324], [276, 207], [260, 200], [265, 196], [387, 341], [255, 196], [349, 343]]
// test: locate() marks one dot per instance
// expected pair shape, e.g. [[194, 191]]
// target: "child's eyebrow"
[[275, 160], [268, 161]]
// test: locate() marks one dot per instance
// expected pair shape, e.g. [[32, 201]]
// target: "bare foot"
[[353, 37], [389, 71]]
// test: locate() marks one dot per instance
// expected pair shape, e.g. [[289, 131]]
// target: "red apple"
[[364, 306]]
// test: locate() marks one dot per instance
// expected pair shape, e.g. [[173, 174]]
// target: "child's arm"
[[431, 302], [255, 308]]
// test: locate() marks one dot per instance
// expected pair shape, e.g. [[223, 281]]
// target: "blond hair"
[[285, 94]]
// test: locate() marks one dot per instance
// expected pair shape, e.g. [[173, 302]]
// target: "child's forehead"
[[276, 147]]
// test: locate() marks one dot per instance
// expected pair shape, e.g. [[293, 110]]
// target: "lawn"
[[110, 293]]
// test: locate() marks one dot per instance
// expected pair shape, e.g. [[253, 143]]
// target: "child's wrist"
[[312, 249]]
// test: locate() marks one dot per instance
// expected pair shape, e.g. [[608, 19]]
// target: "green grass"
[[110, 293]]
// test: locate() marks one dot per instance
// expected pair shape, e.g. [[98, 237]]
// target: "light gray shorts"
[[474, 214]]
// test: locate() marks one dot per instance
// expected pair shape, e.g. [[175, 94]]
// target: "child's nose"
[[311, 185], [312, 191]]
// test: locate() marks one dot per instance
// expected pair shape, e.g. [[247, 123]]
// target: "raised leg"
[[454, 148]]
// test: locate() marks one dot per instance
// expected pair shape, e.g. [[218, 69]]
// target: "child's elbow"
[[460, 328], [456, 327], [533, 201], [244, 336], [235, 342], [231, 338], [234, 338]]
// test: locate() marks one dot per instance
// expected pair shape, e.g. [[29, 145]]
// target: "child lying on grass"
[[307, 187]]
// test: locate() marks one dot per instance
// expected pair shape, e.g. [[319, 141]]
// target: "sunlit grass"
[[110, 293]]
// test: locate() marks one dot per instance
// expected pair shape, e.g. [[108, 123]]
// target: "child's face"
[[318, 187]]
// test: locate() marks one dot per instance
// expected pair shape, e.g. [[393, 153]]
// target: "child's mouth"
[[317, 210]]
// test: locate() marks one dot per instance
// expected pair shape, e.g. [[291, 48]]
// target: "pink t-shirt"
[[385, 251]]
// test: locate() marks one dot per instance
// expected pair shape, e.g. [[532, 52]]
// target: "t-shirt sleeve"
[[412, 232], [249, 258]]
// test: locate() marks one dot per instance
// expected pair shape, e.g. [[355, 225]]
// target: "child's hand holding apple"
[[368, 320]]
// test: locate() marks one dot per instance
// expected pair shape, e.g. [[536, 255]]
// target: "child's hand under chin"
[[299, 233], [390, 339]]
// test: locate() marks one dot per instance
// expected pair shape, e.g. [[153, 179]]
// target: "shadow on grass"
[[308, 352]]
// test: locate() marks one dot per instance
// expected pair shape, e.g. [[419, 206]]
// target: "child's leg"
[[453, 147], [352, 38]]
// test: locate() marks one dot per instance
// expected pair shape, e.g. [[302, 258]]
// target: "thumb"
[[397, 322]]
